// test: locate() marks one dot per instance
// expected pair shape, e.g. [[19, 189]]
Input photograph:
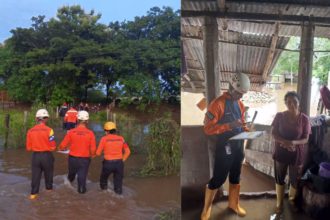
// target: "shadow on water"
[[143, 197]]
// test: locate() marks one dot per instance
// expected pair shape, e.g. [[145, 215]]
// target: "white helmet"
[[42, 113], [83, 115], [240, 82]]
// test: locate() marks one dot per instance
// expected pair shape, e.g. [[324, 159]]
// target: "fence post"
[[108, 114], [57, 112], [25, 121], [7, 120]]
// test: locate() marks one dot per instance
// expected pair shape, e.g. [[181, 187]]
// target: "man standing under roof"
[[225, 119]]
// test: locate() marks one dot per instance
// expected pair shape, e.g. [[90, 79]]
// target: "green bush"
[[17, 127], [163, 147]]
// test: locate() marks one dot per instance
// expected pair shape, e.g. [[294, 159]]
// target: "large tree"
[[63, 58]]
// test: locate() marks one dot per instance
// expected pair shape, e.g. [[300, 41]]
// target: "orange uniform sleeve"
[[212, 116], [28, 142], [242, 108], [100, 147], [52, 140], [66, 141], [127, 151], [93, 145]]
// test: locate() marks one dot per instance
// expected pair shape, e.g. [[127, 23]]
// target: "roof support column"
[[211, 64], [306, 66]]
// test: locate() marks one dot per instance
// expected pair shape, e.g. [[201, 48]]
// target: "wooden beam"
[[211, 65], [271, 52], [313, 4], [305, 66], [250, 45], [187, 78], [256, 16], [222, 5]]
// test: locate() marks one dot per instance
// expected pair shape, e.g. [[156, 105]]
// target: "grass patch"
[[163, 147], [19, 124]]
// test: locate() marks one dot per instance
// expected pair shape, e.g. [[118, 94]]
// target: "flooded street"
[[143, 197]]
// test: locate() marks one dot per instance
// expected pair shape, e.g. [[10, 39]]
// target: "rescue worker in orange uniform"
[[40, 140], [71, 118], [225, 119], [82, 146], [116, 151]]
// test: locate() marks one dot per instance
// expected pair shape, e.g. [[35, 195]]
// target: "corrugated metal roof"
[[243, 44]]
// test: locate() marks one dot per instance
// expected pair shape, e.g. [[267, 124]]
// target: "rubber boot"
[[81, 189], [233, 199], [33, 196], [292, 193], [209, 196], [279, 198], [292, 196]]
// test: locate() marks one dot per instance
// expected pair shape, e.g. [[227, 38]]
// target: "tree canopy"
[[66, 57]]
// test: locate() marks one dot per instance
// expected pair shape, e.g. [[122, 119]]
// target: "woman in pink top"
[[290, 130]]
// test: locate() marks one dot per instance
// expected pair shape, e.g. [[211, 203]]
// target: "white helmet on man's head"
[[83, 115], [42, 113], [240, 82]]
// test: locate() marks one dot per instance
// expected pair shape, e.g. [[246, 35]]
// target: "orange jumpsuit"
[[40, 140], [229, 155], [116, 151], [81, 142]]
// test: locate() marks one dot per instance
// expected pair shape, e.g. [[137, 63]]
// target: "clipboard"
[[247, 135]]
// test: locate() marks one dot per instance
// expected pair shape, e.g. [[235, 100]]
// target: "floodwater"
[[267, 111], [143, 197]]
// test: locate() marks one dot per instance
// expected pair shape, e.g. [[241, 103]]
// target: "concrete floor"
[[257, 197], [257, 209]]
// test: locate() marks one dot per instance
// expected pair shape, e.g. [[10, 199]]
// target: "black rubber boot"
[[82, 189]]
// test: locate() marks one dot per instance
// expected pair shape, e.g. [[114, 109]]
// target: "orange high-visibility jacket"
[[40, 138], [71, 115], [216, 111], [114, 147], [81, 142]]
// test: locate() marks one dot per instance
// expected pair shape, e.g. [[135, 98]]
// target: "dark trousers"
[[42, 162], [281, 170], [79, 166], [70, 125], [117, 168], [229, 156]]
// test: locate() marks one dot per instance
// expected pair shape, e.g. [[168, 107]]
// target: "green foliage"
[[64, 58], [19, 124], [289, 61], [163, 150]]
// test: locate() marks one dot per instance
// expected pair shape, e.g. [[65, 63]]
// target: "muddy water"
[[267, 112], [143, 197]]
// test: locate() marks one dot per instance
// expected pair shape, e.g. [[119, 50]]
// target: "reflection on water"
[[137, 202]]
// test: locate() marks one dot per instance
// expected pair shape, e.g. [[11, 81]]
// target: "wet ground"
[[257, 197], [143, 197]]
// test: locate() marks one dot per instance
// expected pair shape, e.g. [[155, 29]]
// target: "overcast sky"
[[18, 13]]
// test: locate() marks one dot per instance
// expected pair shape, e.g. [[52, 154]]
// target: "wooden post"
[[25, 121], [108, 114], [212, 74], [7, 121], [114, 118], [57, 112], [305, 66]]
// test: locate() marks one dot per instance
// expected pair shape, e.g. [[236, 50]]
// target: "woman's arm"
[[284, 142]]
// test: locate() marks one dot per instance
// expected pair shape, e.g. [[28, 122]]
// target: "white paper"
[[63, 151], [247, 135]]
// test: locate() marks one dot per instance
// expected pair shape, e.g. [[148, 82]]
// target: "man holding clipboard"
[[225, 119]]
